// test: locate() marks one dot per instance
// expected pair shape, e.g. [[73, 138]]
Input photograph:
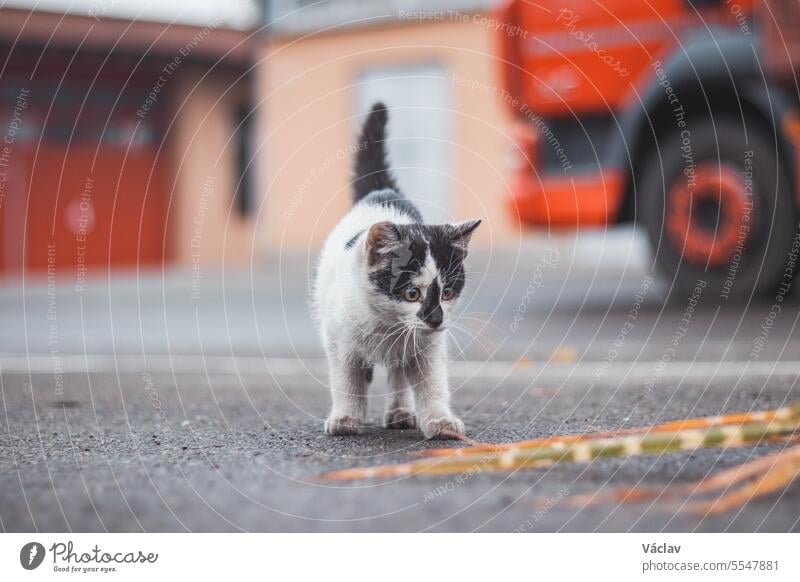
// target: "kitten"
[[385, 289]]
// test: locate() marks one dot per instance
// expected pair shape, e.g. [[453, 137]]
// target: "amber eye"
[[448, 293], [411, 294]]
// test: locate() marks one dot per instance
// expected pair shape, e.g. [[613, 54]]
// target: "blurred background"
[[144, 134], [141, 135], [204, 151], [208, 147], [150, 133]]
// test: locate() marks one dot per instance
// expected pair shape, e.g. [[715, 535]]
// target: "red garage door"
[[81, 181]]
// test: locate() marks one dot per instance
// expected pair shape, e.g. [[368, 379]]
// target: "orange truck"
[[679, 116]]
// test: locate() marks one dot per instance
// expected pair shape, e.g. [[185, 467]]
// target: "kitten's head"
[[416, 271]]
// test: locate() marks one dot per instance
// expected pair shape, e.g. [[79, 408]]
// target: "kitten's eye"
[[448, 293], [411, 294]]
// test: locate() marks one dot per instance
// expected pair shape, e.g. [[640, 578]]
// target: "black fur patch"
[[372, 168], [449, 259], [352, 242], [431, 310]]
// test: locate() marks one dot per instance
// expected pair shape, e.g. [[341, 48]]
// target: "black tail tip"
[[379, 113]]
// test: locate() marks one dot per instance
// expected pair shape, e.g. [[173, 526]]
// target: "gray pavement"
[[138, 406]]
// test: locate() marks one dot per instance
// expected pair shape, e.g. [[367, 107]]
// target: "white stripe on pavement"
[[254, 365]]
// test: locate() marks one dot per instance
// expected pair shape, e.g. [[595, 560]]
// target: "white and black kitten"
[[385, 290]]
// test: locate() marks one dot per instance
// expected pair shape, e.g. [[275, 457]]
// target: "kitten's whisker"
[[458, 346], [471, 336], [484, 322], [377, 346], [366, 332], [405, 343], [399, 334], [464, 347], [393, 330], [466, 330], [388, 332], [474, 340], [396, 334]]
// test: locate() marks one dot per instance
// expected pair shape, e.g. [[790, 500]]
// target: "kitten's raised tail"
[[372, 166]]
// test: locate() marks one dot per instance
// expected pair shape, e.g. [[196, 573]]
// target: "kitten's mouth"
[[434, 330]]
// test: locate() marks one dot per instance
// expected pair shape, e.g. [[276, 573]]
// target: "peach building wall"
[[206, 228], [307, 128]]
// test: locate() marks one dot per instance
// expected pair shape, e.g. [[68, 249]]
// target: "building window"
[[242, 191]]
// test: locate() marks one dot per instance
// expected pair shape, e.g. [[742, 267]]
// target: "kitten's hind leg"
[[349, 380], [400, 412]]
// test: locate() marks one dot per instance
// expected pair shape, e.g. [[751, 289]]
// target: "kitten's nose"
[[434, 317]]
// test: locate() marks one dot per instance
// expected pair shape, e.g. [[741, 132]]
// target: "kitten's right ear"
[[382, 238]]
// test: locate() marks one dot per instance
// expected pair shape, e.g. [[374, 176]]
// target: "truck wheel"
[[721, 214]]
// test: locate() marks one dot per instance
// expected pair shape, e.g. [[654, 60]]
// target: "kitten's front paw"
[[443, 428], [342, 425], [400, 418]]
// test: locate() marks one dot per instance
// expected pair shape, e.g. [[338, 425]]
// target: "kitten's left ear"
[[461, 232], [381, 239]]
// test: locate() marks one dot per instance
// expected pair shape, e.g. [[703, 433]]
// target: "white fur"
[[361, 328]]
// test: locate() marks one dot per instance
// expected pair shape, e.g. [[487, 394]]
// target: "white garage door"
[[418, 130]]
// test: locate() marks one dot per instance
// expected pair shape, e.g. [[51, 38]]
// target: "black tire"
[[757, 263]]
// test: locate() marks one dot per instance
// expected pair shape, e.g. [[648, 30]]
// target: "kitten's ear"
[[461, 232], [382, 238]]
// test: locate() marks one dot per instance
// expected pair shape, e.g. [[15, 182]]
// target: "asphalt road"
[[140, 406]]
